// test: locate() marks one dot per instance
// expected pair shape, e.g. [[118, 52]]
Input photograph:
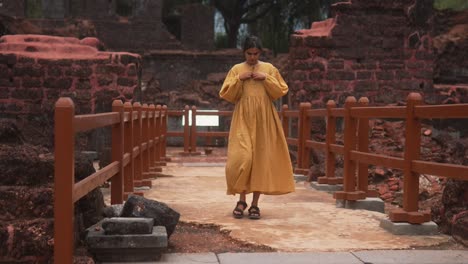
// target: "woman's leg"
[[256, 196], [254, 211], [240, 206]]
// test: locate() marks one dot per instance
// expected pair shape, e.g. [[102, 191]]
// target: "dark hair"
[[252, 42]]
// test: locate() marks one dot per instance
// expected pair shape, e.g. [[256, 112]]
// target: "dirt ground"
[[195, 238]]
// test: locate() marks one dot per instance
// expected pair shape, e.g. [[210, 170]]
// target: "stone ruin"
[[367, 48], [379, 49], [36, 70]]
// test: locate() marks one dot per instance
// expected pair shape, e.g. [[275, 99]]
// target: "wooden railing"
[[356, 154], [138, 149], [139, 136]]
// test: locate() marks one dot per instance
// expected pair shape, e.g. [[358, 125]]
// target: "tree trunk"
[[231, 30]]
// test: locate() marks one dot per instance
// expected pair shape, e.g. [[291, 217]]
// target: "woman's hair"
[[252, 42]]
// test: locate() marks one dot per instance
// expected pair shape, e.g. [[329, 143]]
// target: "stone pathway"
[[304, 221]]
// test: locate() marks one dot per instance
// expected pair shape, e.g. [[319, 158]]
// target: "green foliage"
[[34, 8], [276, 27], [221, 41], [456, 5], [124, 8]]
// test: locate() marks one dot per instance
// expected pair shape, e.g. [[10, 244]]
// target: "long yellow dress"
[[258, 157]]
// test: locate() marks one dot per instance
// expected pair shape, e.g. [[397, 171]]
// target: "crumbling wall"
[[36, 70], [367, 48]]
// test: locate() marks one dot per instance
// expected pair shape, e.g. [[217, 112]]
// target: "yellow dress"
[[258, 157]]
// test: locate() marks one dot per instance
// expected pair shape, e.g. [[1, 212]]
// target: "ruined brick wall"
[[36, 70], [177, 74], [197, 27], [138, 31], [451, 47], [368, 48], [13, 8]]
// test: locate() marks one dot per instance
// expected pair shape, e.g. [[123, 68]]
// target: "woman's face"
[[252, 55]]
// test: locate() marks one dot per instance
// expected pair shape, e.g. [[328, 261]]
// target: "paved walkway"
[[306, 223]]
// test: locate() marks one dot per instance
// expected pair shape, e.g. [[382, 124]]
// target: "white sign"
[[203, 120]]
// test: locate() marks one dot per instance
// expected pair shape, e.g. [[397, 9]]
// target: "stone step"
[[138, 240]]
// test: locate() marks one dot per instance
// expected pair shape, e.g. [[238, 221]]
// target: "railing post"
[[64, 180], [163, 136], [128, 148], [410, 213], [300, 139], [186, 130], [412, 152], [363, 146], [306, 136], [137, 142], [349, 166], [285, 120], [330, 156], [193, 131], [117, 154], [350, 139], [145, 141], [152, 137], [158, 139]]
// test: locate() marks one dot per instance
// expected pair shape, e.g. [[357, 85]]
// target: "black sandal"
[[237, 212], [254, 212]]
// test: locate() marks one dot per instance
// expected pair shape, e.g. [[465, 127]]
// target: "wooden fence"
[[355, 150], [138, 149], [139, 136]]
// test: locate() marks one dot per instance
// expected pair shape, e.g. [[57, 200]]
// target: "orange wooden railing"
[[138, 148], [139, 136], [356, 154]]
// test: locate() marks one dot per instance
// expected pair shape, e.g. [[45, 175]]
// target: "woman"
[[258, 157]]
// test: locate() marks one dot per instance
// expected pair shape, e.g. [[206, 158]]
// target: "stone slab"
[[182, 258], [413, 256], [290, 258], [370, 204], [326, 187], [300, 177], [425, 229], [126, 248], [127, 225]]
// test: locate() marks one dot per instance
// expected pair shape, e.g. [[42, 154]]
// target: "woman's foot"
[[254, 212], [238, 212]]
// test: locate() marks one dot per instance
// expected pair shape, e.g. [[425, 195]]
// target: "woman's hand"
[[245, 75], [259, 76]]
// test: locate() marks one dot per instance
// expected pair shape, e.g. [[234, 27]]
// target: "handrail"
[[137, 143], [355, 150], [139, 135]]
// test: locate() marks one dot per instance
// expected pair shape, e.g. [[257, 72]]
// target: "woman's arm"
[[232, 87], [275, 85]]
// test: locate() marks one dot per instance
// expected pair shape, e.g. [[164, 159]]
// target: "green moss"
[[456, 5], [34, 8]]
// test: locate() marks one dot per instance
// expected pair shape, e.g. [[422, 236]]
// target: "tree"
[[286, 17], [237, 12]]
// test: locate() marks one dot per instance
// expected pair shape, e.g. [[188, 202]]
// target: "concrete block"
[[300, 177], [370, 204], [326, 187], [424, 229], [127, 225], [126, 248]]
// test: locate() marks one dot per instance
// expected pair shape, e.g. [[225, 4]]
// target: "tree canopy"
[[272, 20]]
